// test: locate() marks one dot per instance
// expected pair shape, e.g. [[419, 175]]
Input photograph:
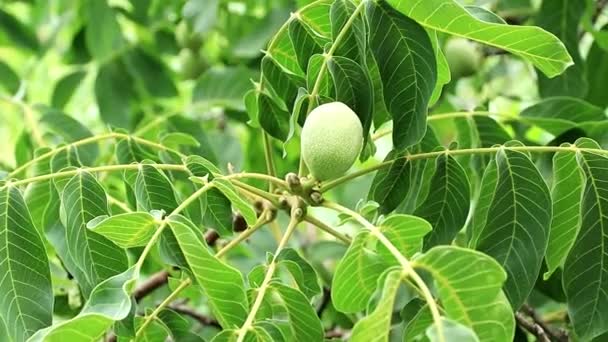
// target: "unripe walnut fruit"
[[463, 57], [332, 138]]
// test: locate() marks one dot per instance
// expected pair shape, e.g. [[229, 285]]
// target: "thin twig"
[[199, 317], [532, 327], [560, 335]]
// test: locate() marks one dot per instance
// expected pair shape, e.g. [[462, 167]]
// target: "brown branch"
[[324, 301], [154, 282], [532, 327], [199, 317], [559, 335]]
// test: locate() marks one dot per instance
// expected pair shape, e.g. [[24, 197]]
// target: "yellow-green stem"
[[486, 150], [326, 228], [242, 332]]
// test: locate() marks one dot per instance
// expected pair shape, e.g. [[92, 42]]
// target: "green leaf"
[[443, 69], [283, 84], [65, 88], [453, 331], [518, 222], [556, 115], [109, 302], [415, 327], [98, 258], [114, 93], [354, 44], [237, 200], [568, 183], [377, 325], [447, 205], [303, 320], [273, 119], [150, 73], [585, 277], [27, 293], [201, 14], [103, 34], [326, 86], [490, 132], [390, 185], [223, 285], [18, 33], [562, 18], [126, 230], [9, 80], [353, 88], [304, 44], [408, 69], [178, 326], [354, 282], [597, 73], [153, 190], [469, 286], [222, 87], [70, 130], [535, 45], [405, 232], [487, 192], [302, 272]]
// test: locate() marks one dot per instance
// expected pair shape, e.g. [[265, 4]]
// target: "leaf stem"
[[408, 271], [326, 228], [91, 140], [107, 168], [244, 235], [242, 332], [454, 115], [269, 158], [258, 192], [271, 179], [486, 150]]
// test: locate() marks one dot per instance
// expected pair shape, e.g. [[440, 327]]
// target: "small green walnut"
[[464, 57], [332, 138]]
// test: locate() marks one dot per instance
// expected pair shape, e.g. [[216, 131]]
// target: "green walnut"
[[464, 57], [332, 138], [187, 39]]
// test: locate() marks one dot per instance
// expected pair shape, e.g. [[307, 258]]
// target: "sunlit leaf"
[[126, 230]]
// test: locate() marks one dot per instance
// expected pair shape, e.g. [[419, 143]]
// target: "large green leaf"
[[517, 225], [405, 232], [303, 42], [585, 277], [377, 325], [469, 286], [447, 205], [27, 294], [556, 115], [283, 84], [354, 282], [109, 302], [273, 119], [70, 130], [237, 200], [103, 34], [223, 285], [150, 73], [354, 44], [301, 271], [534, 44], [353, 88], [127, 230], [222, 87], [114, 93], [65, 88], [562, 18], [98, 258], [597, 73], [303, 320], [153, 190], [568, 183], [390, 185], [407, 65]]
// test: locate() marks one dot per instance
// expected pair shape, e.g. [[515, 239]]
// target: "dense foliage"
[[152, 186]]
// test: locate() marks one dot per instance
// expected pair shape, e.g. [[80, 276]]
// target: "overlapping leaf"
[[585, 276], [405, 57], [223, 285], [566, 194], [27, 294], [534, 44], [405, 232], [469, 285], [126, 230], [517, 224], [96, 257]]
